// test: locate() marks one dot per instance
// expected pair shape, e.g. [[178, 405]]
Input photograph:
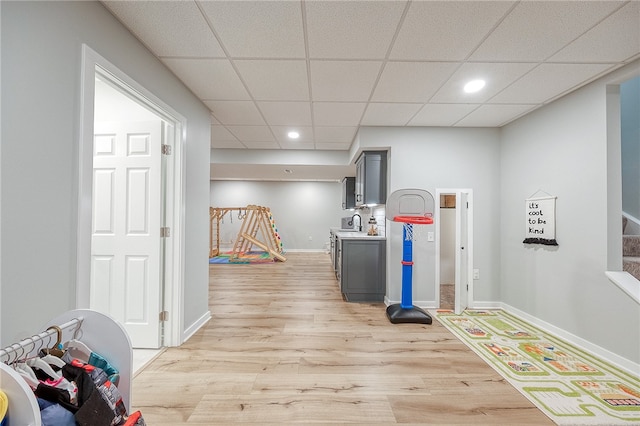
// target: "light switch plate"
[[430, 236]]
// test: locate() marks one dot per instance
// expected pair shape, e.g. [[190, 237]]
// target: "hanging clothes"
[[53, 414]]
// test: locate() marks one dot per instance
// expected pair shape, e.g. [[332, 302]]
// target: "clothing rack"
[[30, 344], [98, 331]]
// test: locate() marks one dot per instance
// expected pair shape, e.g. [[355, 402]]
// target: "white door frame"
[[173, 291], [468, 246]]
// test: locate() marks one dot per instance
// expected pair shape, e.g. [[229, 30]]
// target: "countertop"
[[354, 235]]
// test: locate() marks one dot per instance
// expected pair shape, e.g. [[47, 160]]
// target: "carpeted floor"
[[447, 296], [569, 385]]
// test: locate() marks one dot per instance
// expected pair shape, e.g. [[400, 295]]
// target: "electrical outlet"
[[310, 238], [476, 274]]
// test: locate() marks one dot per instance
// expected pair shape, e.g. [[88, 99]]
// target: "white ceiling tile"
[[337, 113], [220, 133], [283, 80], [411, 81], [235, 112], [494, 115], [252, 133], [333, 146], [535, 30], [297, 145], [261, 145], [213, 79], [617, 38], [548, 80], [286, 113], [226, 144], [496, 75], [351, 29], [441, 114], [388, 114], [335, 134], [446, 31], [258, 29], [189, 33], [281, 132], [343, 80]]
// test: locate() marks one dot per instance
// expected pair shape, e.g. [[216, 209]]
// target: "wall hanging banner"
[[540, 226]]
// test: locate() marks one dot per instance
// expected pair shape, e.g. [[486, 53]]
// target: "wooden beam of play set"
[[255, 219]]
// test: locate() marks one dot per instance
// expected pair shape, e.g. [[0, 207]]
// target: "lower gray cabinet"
[[363, 270]]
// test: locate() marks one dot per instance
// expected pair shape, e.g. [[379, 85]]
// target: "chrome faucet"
[[360, 221]]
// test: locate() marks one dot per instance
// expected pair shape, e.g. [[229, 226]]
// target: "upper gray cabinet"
[[371, 178], [348, 193]]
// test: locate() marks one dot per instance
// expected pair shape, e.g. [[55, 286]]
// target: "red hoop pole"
[[418, 220]]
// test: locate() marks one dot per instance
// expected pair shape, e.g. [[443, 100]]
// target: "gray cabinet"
[[362, 268], [348, 193], [371, 178]]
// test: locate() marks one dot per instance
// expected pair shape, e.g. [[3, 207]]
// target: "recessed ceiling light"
[[293, 135], [474, 86]]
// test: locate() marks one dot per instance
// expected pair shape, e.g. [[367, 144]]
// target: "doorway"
[[454, 258], [130, 193]]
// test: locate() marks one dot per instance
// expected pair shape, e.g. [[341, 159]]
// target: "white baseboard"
[[616, 360], [286, 250], [193, 328], [486, 305]]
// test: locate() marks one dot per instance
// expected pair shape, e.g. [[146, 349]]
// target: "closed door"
[[126, 250]]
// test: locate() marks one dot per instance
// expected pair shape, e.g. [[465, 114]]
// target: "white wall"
[[303, 211], [430, 158], [41, 64], [562, 149]]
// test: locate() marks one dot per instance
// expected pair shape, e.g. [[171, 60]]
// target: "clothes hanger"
[[36, 362], [78, 350], [53, 360], [48, 358], [55, 350], [25, 371], [44, 366], [27, 374]]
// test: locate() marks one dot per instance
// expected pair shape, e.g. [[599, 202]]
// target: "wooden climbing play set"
[[258, 229]]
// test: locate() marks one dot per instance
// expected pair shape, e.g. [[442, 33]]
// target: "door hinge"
[[164, 316], [166, 149], [165, 231]]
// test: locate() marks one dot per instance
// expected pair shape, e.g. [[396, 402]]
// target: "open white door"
[[126, 249], [462, 253]]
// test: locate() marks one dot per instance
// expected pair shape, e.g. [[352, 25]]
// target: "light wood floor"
[[283, 347]]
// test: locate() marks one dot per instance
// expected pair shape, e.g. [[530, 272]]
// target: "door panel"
[[462, 253], [126, 243]]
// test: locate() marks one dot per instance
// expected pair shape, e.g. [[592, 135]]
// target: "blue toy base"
[[398, 315]]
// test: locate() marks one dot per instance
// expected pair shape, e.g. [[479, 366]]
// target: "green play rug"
[[248, 257], [569, 385]]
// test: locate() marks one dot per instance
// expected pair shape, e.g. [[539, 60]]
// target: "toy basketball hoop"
[[409, 221], [409, 207]]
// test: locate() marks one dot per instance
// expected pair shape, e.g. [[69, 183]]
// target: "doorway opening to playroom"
[[454, 249], [130, 225]]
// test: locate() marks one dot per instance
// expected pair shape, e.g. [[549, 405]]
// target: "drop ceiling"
[[325, 68]]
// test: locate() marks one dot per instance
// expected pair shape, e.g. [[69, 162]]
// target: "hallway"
[[282, 347]]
